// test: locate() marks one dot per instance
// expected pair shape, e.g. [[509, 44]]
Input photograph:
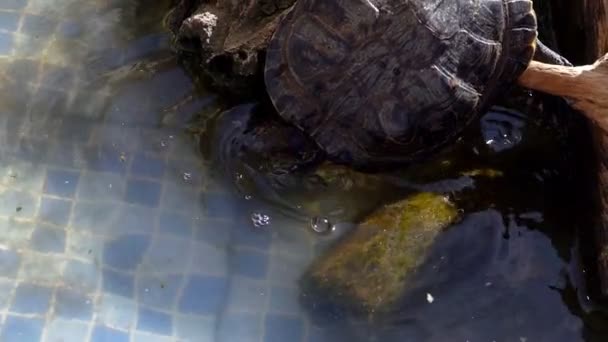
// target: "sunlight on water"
[[114, 226]]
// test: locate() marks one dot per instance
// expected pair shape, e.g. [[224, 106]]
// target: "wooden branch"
[[585, 86]]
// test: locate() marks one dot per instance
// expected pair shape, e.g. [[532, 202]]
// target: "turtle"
[[378, 84]]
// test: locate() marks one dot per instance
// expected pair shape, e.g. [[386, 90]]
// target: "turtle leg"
[[546, 55]]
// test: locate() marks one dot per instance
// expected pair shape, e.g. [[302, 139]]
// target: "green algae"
[[369, 269]]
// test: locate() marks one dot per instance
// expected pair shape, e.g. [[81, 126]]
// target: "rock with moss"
[[369, 269]]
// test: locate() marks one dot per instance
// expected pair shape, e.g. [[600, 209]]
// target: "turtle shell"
[[388, 82]]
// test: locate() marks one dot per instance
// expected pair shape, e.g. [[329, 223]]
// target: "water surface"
[[113, 227]]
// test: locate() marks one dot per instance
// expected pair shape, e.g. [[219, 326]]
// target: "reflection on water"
[[113, 227]]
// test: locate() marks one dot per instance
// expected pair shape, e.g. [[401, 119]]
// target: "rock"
[[230, 37], [369, 269]]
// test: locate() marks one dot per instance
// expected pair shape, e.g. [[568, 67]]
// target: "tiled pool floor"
[[110, 227]]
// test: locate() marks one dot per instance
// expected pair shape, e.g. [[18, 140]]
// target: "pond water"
[[113, 227]]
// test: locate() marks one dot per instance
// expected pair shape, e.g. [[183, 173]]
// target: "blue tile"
[[280, 328], [13, 4], [6, 293], [73, 305], [38, 26], [18, 329], [180, 198], [59, 77], [95, 217], [117, 311], [9, 21], [99, 186], [17, 203], [217, 233], [154, 321], [209, 259], [9, 263], [75, 129], [175, 224], [162, 256], [61, 183], [105, 159], [159, 292], [246, 236], [184, 173], [203, 295], [70, 29], [242, 327], [144, 165], [195, 328], [82, 275], [118, 283], [246, 295], [48, 240], [134, 219], [284, 300], [143, 192], [60, 330], [125, 252], [220, 205], [251, 264], [105, 334], [31, 299], [65, 154], [6, 43], [30, 149], [55, 211]]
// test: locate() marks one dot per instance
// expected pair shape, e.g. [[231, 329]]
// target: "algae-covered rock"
[[369, 269]]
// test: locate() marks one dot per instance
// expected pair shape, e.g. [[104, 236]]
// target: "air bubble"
[[321, 225], [260, 220]]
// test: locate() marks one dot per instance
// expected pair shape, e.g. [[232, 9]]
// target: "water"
[[114, 228]]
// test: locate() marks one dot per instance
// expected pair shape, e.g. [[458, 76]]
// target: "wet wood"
[[585, 86], [581, 27]]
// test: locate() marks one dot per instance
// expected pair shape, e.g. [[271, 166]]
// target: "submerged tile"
[[40, 27], [55, 211], [15, 203], [48, 239], [9, 263], [101, 186], [242, 327], [167, 255], [117, 311], [104, 334], [125, 252], [118, 283], [81, 276], [9, 21], [175, 224], [63, 330], [71, 304], [203, 295], [159, 291], [31, 299], [154, 321], [6, 43], [144, 165], [143, 192], [247, 295], [196, 328], [61, 183], [249, 263], [19, 329], [279, 328]]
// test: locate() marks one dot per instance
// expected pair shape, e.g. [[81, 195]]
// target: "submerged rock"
[[369, 269]]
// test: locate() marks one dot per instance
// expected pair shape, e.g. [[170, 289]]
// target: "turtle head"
[[248, 141]]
